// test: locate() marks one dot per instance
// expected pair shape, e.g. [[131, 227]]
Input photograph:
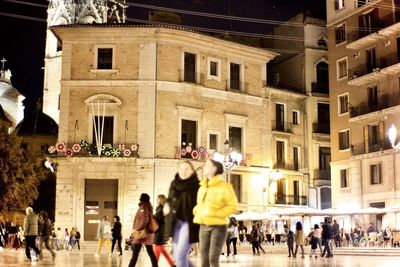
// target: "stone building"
[[364, 94], [303, 70]]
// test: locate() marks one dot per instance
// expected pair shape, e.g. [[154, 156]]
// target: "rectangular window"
[[344, 178], [370, 56], [213, 142], [108, 129], [344, 140], [236, 182], [280, 117], [373, 136], [324, 158], [296, 117], [189, 133], [235, 77], [213, 68], [372, 98], [296, 163], [235, 138], [280, 154], [339, 4], [341, 68], [343, 104], [375, 173], [104, 58], [189, 74], [340, 33]]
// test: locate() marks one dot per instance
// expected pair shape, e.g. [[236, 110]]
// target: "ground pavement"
[[86, 257]]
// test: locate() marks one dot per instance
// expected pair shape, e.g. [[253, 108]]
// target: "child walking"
[[290, 243]]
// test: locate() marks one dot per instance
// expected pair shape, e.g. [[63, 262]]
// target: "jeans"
[[135, 254], [31, 243], [327, 247], [115, 240], [254, 246], [180, 244], [46, 241], [228, 246], [212, 239], [77, 241], [290, 249]]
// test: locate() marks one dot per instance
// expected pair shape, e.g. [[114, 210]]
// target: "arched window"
[[322, 77]]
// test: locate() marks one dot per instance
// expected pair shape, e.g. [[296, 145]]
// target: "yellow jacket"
[[216, 200]]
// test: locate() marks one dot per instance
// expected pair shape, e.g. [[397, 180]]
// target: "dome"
[[37, 123]]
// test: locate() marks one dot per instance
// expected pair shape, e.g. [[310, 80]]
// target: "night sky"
[[22, 40]]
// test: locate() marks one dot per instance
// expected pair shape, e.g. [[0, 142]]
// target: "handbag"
[[140, 234]]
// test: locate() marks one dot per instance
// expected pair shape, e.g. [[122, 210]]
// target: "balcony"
[[286, 166], [191, 77], [282, 199], [321, 128], [320, 89], [384, 102], [282, 127], [235, 85], [370, 146], [365, 73], [322, 177]]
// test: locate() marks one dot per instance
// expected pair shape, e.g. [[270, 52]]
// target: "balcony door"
[[324, 158], [323, 77], [190, 68], [296, 192], [280, 116], [369, 22], [371, 60], [372, 98]]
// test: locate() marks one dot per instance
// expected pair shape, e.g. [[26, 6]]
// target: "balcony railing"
[[287, 166], [235, 85], [279, 126], [321, 128], [322, 174], [319, 89], [370, 146], [385, 101], [283, 199]]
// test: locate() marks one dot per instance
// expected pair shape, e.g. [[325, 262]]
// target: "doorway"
[[101, 198]]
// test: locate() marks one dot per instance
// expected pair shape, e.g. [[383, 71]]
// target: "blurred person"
[[13, 237], [59, 238], [66, 239], [315, 237], [117, 235], [299, 238], [142, 236], [290, 243], [327, 235], [179, 213], [45, 233], [30, 233], [216, 201], [255, 236], [104, 235], [77, 239], [233, 234], [336, 233], [72, 238]]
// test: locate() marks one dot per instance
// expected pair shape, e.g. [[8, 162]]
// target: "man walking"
[[327, 233], [45, 233], [336, 233], [30, 233]]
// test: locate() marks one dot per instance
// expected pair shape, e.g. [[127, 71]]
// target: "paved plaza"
[[86, 257]]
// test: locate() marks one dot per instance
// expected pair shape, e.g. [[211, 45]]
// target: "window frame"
[[209, 75], [338, 78], [380, 171], [241, 75], [192, 114], [240, 197], [218, 134], [297, 112], [344, 25], [339, 104], [339, 8], [347, 178], [240, 121], [298, 148], [342, 131], [96, 55]]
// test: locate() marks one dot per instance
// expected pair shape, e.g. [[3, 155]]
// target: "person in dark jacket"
[[45, 233], [255, 237], [30, 233], [159, 237], [290, 243], [179, 220], [117, 235], [327, 235], [336, 233]]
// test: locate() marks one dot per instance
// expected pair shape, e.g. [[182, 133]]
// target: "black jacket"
[[116, 231], [327, 231], [159, 236], [182, 198]]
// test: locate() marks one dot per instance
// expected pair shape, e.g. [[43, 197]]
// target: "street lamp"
[[229, 159], [392, 134]]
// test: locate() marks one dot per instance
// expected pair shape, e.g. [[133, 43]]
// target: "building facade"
[[364, 94], [303, 70]]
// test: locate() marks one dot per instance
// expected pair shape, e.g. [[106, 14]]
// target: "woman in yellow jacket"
[[216, 200]]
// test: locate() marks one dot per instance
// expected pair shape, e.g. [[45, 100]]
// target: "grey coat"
[[102, 230], [31, 225]]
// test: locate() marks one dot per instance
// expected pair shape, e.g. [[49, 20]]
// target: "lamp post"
[[392, 134], [229, 159]]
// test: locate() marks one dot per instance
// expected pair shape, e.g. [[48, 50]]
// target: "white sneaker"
[[96, 254]]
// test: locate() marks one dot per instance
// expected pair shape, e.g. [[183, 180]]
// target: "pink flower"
[[61, 147], [183, 152], [134, 147], [195, 154], [68, 153], [127, 152], [121, 147], [52, 149], [76, 148]]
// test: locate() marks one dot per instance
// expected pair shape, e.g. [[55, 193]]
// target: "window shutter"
[[381, 136], [366, 138]]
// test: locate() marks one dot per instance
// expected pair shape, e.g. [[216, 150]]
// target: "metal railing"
[[284, 199], [385, 101], [370, 146], [287, 166], [319, 88], [320, 174], [322, 128], [279, 126]]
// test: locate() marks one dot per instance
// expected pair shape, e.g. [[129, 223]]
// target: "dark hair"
[[218, 165], [144, 198], [299, 226], [117, 218], [316, 226], [44, 215]]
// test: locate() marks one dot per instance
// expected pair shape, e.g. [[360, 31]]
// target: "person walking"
[[299, 238], [179, 213], [327, 233], [159, 236], [141, 231], [30, 233], [315, 237], [66, 239], [255, 236], [261, 238], [216, 200], [233, 233], [336, 233], [72, 238], [117, 235], [45, 233], [59, 238], [104, 236], [290, 243], [77, 239], [12, 237]]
